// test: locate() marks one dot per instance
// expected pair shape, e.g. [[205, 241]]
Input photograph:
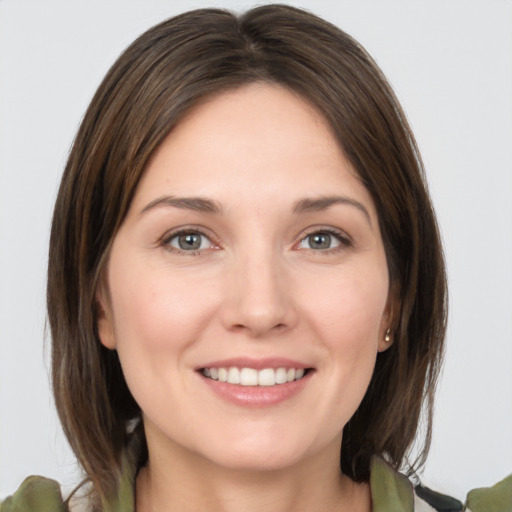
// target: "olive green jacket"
[[391, 492]]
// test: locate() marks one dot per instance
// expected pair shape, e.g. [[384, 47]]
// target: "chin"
[[261, 451], [256, 460]]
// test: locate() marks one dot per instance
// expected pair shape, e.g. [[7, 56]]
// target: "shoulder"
[[39, 494], [35, 494], [497, 498], [393, 491]]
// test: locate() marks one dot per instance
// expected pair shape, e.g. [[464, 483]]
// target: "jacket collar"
[[390, 490]]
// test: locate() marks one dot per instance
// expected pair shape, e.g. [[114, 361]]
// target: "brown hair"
[[147, 91]]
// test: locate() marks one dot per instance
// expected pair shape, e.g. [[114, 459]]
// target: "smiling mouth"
[[252, 377]]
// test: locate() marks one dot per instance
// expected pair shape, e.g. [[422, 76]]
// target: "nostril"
[[258, 326]]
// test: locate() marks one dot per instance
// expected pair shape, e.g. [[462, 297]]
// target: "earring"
[[387, 336]]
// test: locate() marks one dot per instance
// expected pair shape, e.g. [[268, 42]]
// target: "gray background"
[[451, 65]]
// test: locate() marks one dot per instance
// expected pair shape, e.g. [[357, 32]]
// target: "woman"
[[245, 275]]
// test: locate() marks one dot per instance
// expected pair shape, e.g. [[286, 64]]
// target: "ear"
[[386, 329], [104, 318]]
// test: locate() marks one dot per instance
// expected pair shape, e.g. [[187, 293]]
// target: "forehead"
[[259, 142]]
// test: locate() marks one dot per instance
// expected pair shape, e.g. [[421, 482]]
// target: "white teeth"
[[234, 376], [253, 377], [267, 377], [248, 377], [281, 376]]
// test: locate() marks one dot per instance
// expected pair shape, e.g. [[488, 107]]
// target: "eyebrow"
[[197, 204], [323, 203], [205, 205]]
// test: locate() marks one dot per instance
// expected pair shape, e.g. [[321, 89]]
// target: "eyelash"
[[343, 239], [166, 241]]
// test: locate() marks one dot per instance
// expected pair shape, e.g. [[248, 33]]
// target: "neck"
[[187, 482]]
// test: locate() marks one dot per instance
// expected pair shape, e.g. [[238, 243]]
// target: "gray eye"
[[319, 241], [189, 241]]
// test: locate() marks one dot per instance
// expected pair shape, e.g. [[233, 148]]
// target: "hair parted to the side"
[[148, 90]]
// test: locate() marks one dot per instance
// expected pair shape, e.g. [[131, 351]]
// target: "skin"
[[258, 287]]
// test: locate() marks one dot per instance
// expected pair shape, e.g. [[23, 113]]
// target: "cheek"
[[157, 317], [349, 308], [157, 311], [348, 318]]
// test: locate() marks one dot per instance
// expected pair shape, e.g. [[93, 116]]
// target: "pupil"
[[320, 241], [189, 241]]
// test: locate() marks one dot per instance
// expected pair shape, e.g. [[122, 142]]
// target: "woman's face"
[[251, 252]]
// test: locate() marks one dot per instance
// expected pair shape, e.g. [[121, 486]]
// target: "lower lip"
[[257, 396]]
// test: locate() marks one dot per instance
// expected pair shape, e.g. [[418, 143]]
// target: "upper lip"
[[256, 363]]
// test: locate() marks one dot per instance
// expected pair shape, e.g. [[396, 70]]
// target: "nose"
[[258, 299]]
